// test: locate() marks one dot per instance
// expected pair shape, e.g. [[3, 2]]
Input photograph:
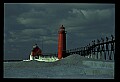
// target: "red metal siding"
[[60, 45]]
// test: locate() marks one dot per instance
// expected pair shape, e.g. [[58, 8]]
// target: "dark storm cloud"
[[29, 23]]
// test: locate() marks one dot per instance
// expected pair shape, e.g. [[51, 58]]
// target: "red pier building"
[[61, 42]]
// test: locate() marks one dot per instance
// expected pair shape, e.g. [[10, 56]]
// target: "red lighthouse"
[[61, 42]]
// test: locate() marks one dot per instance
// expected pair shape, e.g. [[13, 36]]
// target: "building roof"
[[62, 27]]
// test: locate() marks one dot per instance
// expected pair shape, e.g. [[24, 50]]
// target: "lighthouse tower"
[[61, 42]]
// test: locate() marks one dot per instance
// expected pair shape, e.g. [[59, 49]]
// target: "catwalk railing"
[[100, 49]]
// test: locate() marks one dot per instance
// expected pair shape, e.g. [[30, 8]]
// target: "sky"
[[28, 23]]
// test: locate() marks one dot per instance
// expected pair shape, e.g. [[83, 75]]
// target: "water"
[[71, 67]]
